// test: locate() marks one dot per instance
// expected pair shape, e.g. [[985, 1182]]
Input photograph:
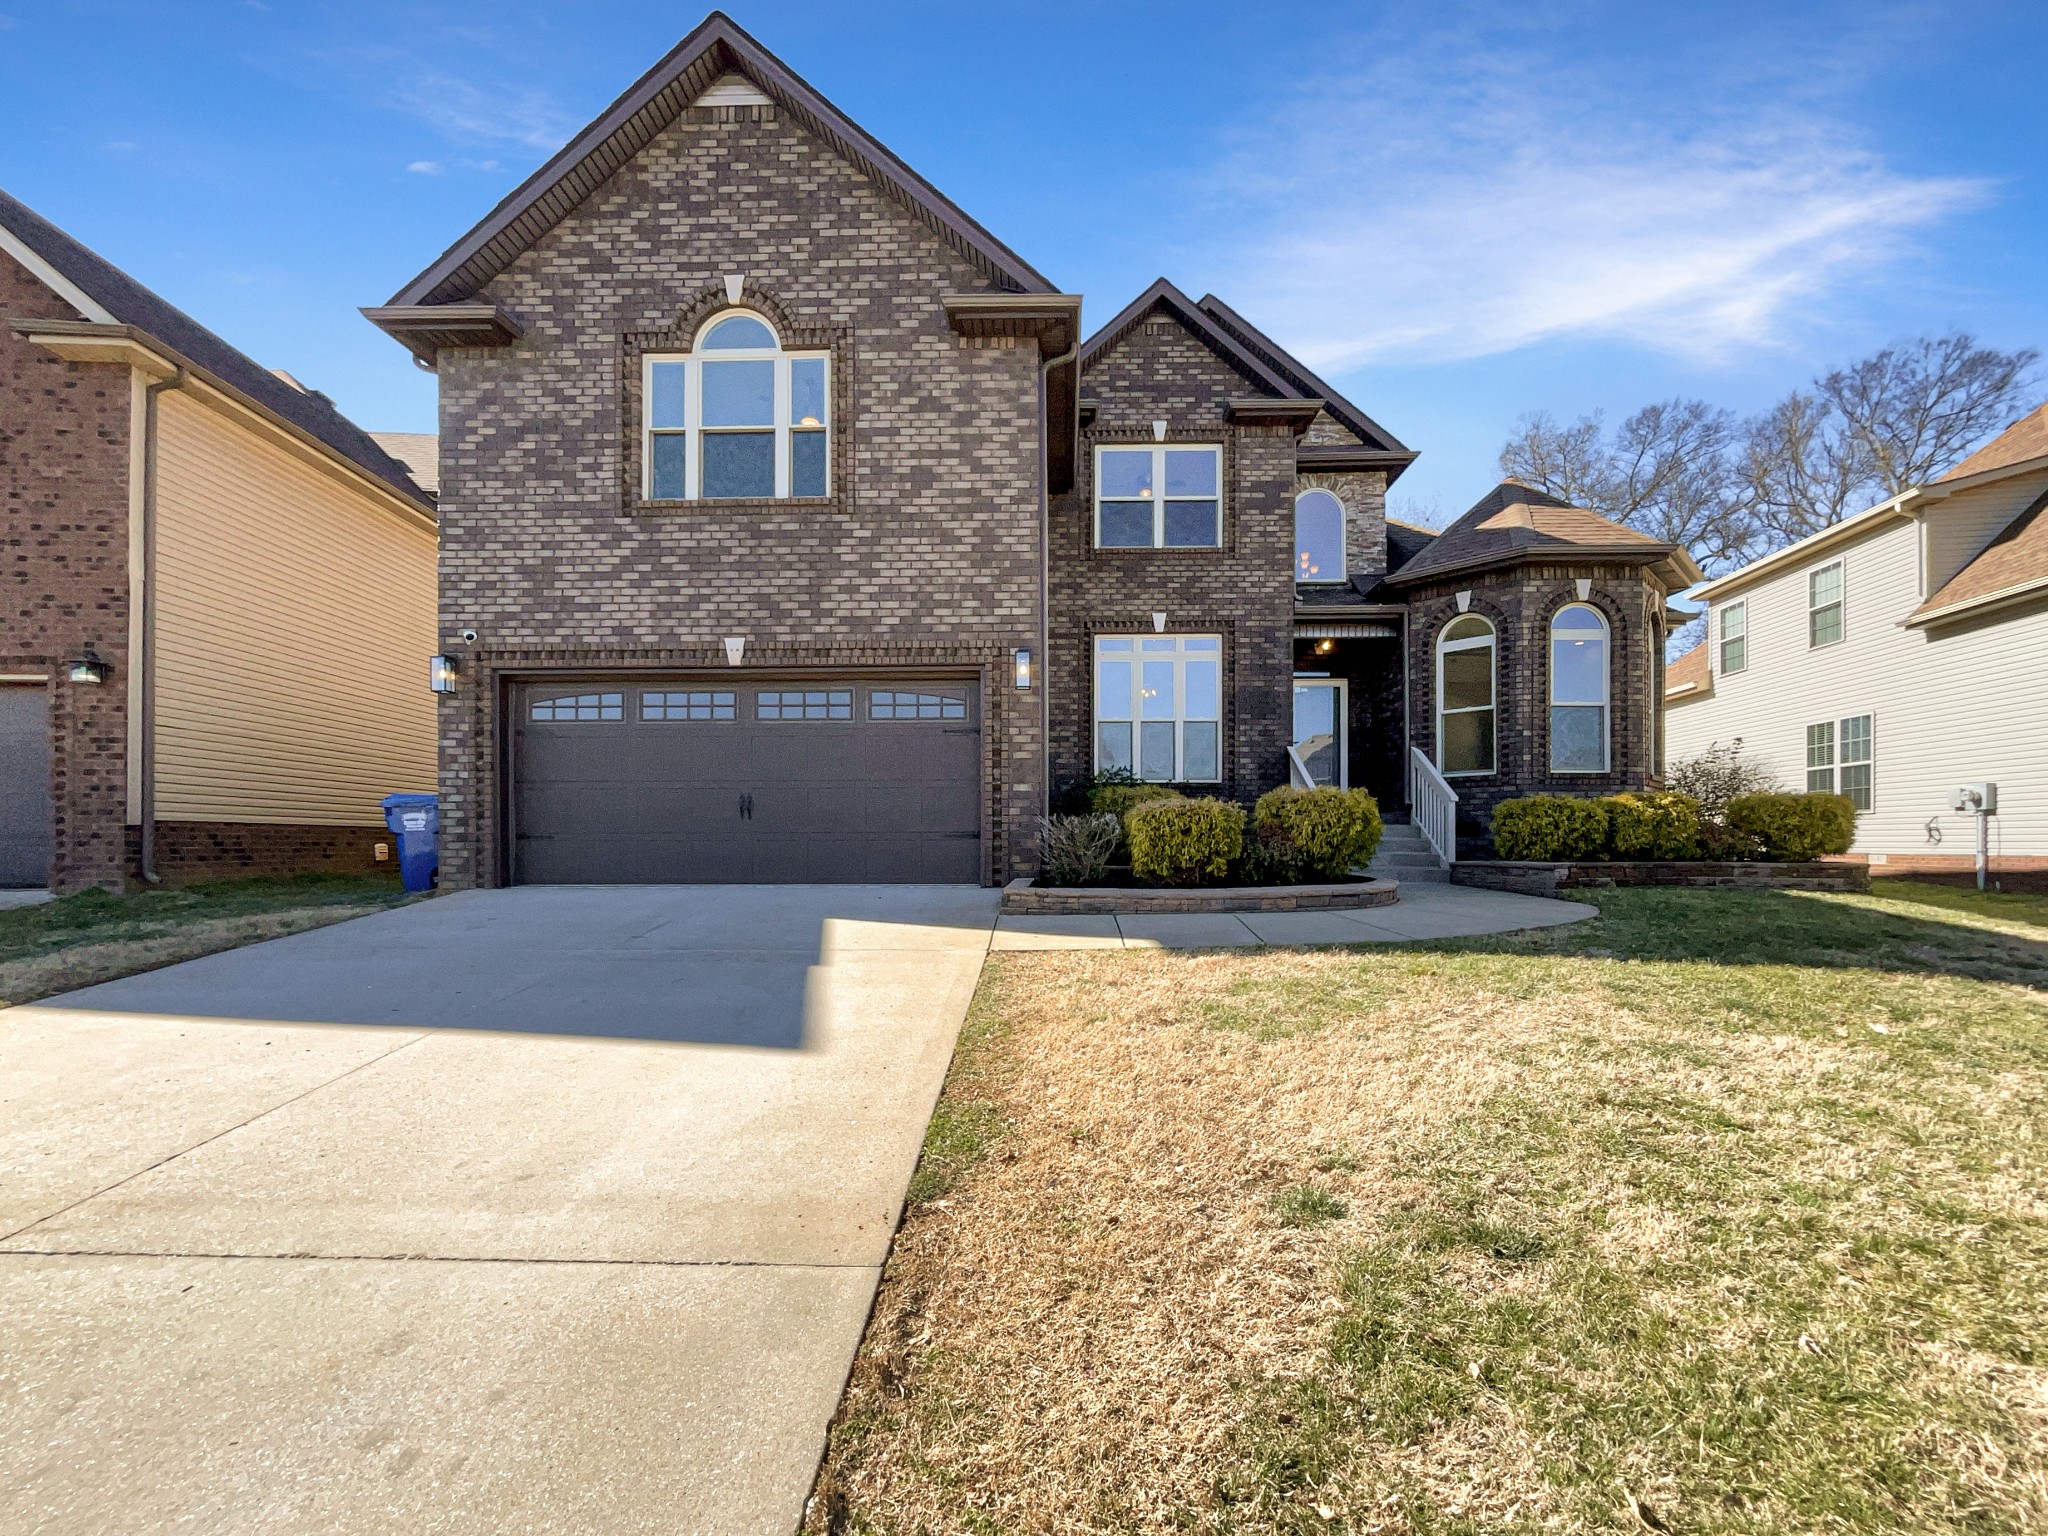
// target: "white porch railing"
[[1434, 805]]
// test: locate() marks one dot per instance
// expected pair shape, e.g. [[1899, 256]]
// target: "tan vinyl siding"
[[295, 616], [1950, 705]]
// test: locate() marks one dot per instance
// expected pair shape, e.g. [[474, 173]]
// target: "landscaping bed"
[[95, 936], [1530, 877], [1028, 897], [1719, 1213]]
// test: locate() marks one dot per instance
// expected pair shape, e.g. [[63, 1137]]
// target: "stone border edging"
[[1021, 898], [1529, 878]]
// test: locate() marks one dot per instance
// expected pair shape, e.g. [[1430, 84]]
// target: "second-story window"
[[736, 418], [1824, 605], [1165, 497], [1318, 537], [1735, 637]]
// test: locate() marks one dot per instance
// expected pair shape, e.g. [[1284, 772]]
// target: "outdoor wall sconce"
[[1324, 647], [441, 674], [89, 668], [1021, 664]]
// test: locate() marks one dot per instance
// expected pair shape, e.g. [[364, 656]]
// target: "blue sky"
[[1457, 212]]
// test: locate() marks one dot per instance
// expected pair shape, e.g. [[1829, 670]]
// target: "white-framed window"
[[1464, 696], [1734, 621], [736, 417], [1159, 707], [1841, 759], [1318, 537], [1162, 496], [1578, 690], [1824, 605]]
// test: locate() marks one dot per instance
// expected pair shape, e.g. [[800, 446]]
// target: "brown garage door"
[[772, 781], [25, 834]]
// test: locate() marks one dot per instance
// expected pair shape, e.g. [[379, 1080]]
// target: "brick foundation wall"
[[64, 447], [927, 551], [188, 852], [1244, 591], [1521, 603]]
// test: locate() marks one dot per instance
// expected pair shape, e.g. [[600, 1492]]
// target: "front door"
[[1316, 756], [26, 839]]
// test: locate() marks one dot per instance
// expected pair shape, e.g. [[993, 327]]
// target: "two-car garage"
[[708, 778]]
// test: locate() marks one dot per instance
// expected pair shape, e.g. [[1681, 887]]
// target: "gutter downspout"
[[146, 664], [1045, 563]]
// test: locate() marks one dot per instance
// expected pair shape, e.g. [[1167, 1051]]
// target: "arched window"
[[1464, 696], [1578, 691], [1318, 537], [736, 417]]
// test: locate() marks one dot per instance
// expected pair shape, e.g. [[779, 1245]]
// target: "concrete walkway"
[[537, 1210], [1425, 911]]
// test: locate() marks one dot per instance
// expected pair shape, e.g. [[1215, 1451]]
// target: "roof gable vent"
[[733, 90]]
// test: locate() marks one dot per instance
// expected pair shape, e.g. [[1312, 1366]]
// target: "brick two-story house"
[[790, 530]]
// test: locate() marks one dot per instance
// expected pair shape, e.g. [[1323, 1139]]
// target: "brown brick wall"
[[188, 852], [927, 551], [1245, 591], [64, 446], [1521, 603]]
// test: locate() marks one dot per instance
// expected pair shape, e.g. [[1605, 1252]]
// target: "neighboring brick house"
[[216, 595], [789, 531]]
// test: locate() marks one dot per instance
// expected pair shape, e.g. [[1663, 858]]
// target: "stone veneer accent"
[[1021, 897], [64, 449], [926, 553]]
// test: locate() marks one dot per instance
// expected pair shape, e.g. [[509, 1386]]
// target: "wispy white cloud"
[[477, 112], [425, 168], [1468, 202]]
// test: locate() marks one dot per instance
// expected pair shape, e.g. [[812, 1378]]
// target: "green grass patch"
[[1308, 1205]]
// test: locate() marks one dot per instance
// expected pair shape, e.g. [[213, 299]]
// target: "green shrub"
[[1119, 800], [1665, 826], [1795, 828], [1184, 842], [1320, 833], [1550, 827]]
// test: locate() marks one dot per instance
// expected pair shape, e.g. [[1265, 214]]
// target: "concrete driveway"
[[552, 1210]]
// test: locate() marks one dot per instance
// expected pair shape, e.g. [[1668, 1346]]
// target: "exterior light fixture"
[[1324, 647], [1020, 660], [89, 668], [441, 674]]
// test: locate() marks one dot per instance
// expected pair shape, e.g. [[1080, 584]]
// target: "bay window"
[[1464, 696], [1578, 691], [1159, 707]]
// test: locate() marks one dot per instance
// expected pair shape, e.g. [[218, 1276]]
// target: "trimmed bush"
[[1119, 800], [1319, 833], [1078, 850], [1795, 828], [1184, 842], [1076, 797], [1665, 826], [1550, 827]]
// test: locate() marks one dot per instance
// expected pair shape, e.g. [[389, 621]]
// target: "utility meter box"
[[1975, 800]]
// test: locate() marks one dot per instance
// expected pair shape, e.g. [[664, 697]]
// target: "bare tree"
[[1688, 472]]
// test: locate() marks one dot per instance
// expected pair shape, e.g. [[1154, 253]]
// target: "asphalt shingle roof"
[[1513, 521]]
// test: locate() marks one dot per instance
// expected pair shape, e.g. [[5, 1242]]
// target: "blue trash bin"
[[415, 820]]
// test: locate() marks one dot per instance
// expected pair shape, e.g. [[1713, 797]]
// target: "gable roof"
[[718, 48], [1164, 295], [114, 298], [2025, 439], [2011, 567], [1513, 523], [1368, 431], [1689, 677]]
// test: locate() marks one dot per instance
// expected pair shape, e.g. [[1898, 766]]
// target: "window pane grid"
[[896, 704], [581, 706], [1824, 605], [695, 704], [1735, 637], [1158, 498], [804, 704], [1858, 767], [1158, 707]]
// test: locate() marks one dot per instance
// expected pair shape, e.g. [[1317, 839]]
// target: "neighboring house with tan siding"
[[217, 602], [1895, 657]]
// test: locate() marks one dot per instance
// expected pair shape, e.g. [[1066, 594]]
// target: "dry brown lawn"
[[1631, 1226]]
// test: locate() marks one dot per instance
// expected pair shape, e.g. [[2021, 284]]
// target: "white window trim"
[[1134, 657], [1343, 575], [1606, 692], [1840, 604], [693, 431], [1741, 606], [1445, 647], [1158, 452], [1840, 723], [1297, 770]]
